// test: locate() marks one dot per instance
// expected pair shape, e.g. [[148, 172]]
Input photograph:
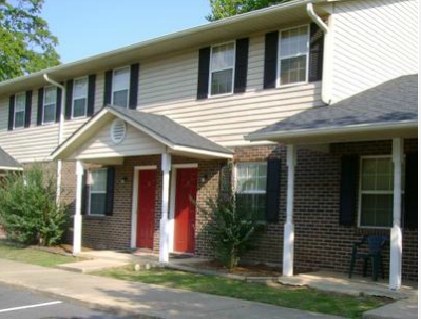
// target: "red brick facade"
[[320, 242]]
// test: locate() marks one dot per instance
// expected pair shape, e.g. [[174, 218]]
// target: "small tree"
[[28, 211], [233, 231]]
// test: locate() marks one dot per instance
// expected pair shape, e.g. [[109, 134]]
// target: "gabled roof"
[[7, 162], [391, 104], [161, 128]]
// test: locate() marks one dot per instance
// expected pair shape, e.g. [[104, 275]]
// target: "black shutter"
[[85, 193], [108, 86], [273, 182], [241, 61], [28, 108], [69, 100], [134, 85], [110, 191], [271, 54], [349, 189], [40, 106], [316, 53], [11, 119], [58, 104], [410, 220], [203, 74], [91, 94]]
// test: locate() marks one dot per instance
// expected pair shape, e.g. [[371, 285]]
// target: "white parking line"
[[31, 306]]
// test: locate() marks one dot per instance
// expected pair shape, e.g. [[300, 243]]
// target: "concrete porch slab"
[[339, 282], [92, 265]]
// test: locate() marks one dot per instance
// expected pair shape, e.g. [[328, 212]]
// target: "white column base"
[[395, 258], [163, 241], [77, 234], [288, 262]]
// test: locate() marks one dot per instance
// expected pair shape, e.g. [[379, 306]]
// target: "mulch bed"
[[247, 270]]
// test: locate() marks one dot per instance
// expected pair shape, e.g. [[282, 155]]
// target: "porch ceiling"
[[383, 112], [147, 134]]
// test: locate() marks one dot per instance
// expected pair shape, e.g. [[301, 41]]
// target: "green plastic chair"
[[373, 253]]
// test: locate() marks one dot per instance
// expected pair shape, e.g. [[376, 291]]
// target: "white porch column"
[[77, 221], [288, 259], [396, 232], [165, 197]]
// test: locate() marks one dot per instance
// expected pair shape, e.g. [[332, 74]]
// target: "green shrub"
[[28, 210], [233, 231]]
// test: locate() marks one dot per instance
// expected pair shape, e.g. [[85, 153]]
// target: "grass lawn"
[[33, 256], [279, 295]]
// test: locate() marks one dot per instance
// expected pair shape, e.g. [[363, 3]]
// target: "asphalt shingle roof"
[[7, 160], [169, 130], [394, 101]]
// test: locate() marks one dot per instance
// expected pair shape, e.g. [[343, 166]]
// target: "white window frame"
[[360, 191], [113, 84], [95, 192], [55, 106], [258, 192], [278, 58], [218, 70], [80, 97], [24, 111]]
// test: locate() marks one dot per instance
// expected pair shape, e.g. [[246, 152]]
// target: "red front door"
[[185, 210], [146, 208]]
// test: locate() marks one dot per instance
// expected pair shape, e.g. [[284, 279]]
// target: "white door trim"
[[171, 220], [134, 200]]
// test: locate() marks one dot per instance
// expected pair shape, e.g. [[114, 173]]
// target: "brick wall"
[[114, 232], [320, 242]]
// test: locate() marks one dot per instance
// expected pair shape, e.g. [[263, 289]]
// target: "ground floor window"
[[98, 192], [250, 188], [376, 191]]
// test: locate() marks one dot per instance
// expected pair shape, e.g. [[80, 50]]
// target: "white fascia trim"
[[82, 130], [335, 130], [179, 148], [142, 128], [10, 168], [55, 70]]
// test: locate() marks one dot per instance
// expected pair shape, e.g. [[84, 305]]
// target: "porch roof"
[[385, 111], [175, 137], [7, 162]]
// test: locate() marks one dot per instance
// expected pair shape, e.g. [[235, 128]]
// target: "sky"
[[88, 27]]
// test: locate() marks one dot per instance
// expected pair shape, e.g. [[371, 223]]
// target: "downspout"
[[60, 131], [326, 94]]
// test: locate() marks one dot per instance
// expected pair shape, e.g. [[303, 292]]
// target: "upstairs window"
[[250, 188], [121, 85], [98, 192], [80, 97], [293, 55], [19, 116], [49, 105], [222, 68], [376, 191]]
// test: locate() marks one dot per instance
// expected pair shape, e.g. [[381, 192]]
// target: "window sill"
[[220, 96], [94, 216], [286, 86], [78, 117]]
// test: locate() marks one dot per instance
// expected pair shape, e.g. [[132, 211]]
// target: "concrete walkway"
[[129, 298]]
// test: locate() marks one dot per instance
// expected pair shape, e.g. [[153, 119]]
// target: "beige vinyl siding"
[[373, 41], [168, 87], [101, 145], [37, 142]]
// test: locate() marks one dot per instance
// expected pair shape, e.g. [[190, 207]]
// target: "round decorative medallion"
[[118, 131]]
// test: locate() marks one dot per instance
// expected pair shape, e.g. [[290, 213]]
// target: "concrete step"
[[92, 265]]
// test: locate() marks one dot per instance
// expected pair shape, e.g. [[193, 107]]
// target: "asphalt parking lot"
[[19, 304]]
